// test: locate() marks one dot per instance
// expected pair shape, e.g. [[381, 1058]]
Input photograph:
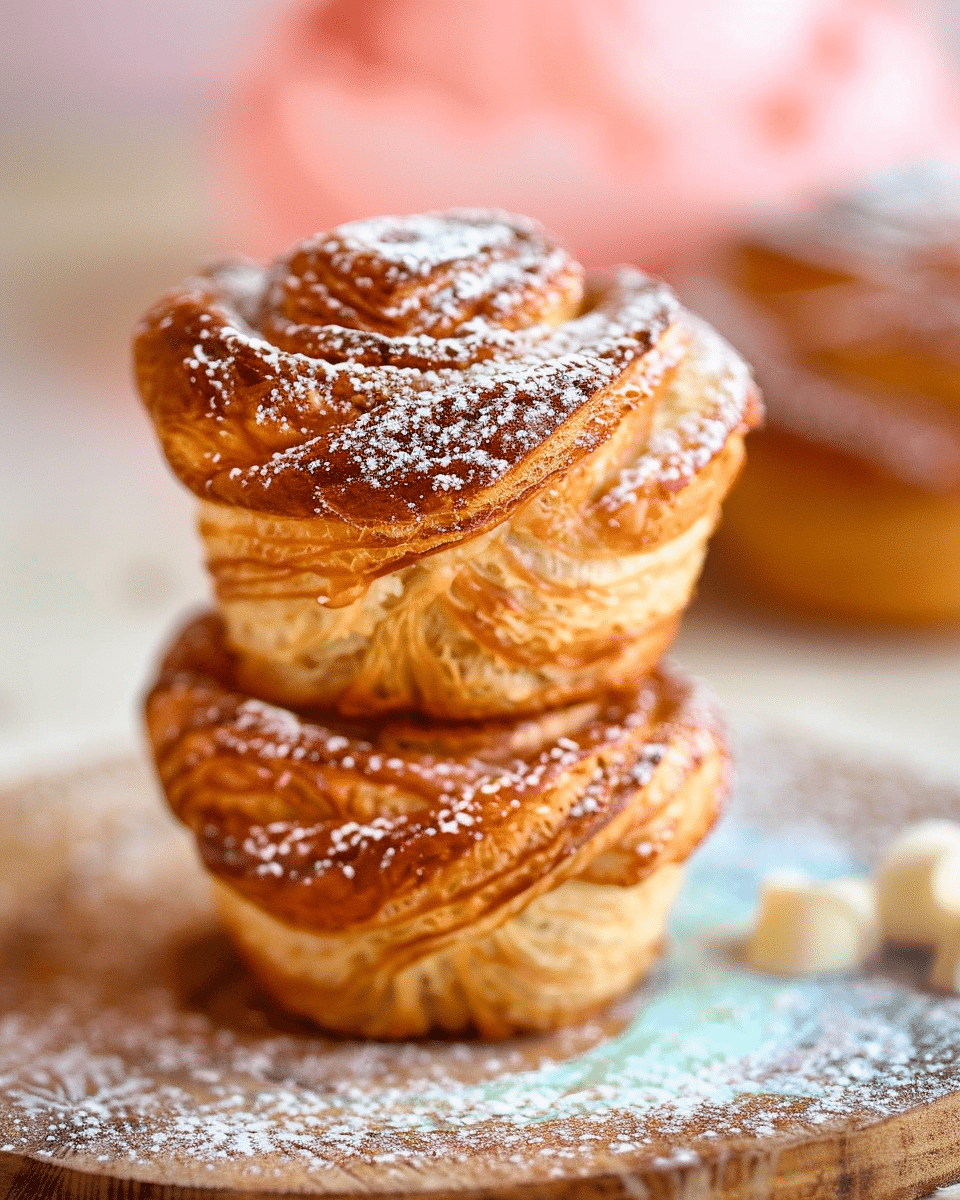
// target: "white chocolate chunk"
[[805, 927], [908, 910], [945, 884], [945, 972]]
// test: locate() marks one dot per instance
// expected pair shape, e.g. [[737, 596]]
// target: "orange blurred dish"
[[851, 503]]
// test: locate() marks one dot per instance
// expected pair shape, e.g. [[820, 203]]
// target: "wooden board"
[[138, 1060]]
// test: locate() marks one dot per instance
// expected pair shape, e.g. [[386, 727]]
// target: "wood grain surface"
[[137, 1059]]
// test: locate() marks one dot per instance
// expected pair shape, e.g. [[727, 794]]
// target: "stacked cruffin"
[[455, 496]]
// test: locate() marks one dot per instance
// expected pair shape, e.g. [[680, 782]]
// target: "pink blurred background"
[[637, 130], [138, 139]]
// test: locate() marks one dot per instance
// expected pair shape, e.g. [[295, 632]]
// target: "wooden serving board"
[[138, 1060]]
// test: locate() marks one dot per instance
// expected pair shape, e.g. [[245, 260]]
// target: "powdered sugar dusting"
[[332, 824], [139, 1045], [450, 426], [473, 257], [396, 366]]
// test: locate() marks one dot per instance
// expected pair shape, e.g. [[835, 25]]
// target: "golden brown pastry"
[[454, 499], [851, 317], [393, 876], [441, 471]]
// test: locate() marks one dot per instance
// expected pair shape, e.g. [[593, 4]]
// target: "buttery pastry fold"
[[393, 876], [440, 471]]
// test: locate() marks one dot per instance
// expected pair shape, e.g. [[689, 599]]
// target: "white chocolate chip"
[[945, 889], [909, 912], [805, 927], [945, 884]]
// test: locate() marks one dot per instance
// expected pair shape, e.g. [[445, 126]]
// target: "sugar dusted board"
[[137, 1059]]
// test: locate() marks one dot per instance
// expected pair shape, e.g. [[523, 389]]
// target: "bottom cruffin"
[[399, 877]]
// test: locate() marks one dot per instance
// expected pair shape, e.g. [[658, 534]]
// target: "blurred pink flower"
[[636, 129]]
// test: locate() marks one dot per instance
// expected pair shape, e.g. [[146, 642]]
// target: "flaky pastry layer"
[[440, 471], [579, 588], [395, 842], [561, 959]]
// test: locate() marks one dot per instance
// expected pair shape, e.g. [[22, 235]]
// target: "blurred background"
[[141, 139]]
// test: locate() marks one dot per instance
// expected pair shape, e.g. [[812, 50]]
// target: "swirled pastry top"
[[407, 376], [333, 825]]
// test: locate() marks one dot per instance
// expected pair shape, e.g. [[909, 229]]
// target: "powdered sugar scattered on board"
[[132, 1037]]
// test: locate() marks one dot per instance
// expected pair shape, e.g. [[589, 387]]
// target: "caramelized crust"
[[398, 839], [403, 382], [454, 499], [467, 816]]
